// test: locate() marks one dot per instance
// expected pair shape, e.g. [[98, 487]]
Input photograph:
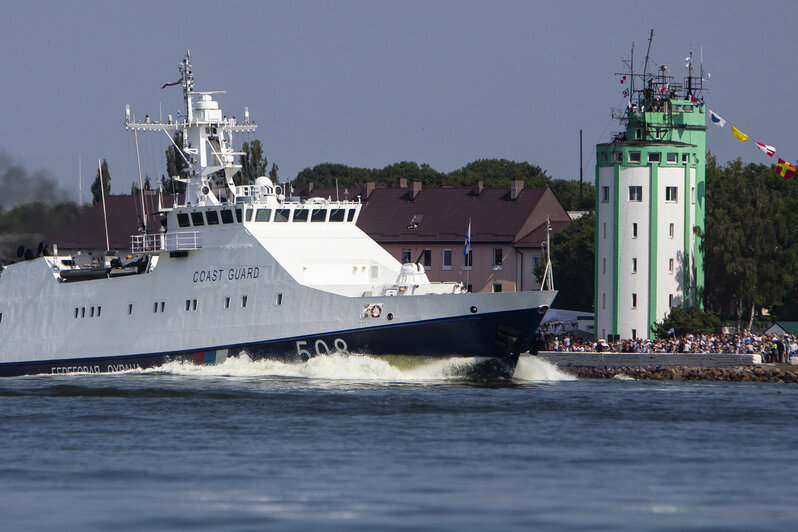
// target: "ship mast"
[[207, 140]]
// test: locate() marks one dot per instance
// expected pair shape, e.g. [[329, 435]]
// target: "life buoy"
[[376, 310]]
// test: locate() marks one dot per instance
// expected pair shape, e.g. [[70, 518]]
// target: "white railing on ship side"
[[257, 192], [180, 241]]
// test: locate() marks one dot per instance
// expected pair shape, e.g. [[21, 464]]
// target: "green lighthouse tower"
[[650, 187]]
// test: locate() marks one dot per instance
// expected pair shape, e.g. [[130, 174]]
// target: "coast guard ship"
[[245, 269]]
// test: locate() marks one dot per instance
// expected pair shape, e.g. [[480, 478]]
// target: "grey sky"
[[372, 83]]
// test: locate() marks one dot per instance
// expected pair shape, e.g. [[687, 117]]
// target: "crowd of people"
[[772, 348]]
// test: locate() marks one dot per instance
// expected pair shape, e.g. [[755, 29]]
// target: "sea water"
[[353, 443]]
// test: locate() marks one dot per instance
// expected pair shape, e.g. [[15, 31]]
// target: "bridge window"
[[301, 215], [227, 216], [197, 219], [263, 215], [182, 220], [282, 215], [249, 214], [351, 215], [213, 218], [337, 215], [319, 215]]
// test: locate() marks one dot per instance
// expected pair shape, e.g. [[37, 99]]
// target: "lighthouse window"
[[319, 215], [634, 156], [281, 215], [619, 157], [301, 215], [634, 230], [685, 158], [182, 220], [227, 216], [197, 219], [654, 157], [337, 215], [673, 158], [213, 218], [264, 215], [634, 300], [634, 265], [670, 230], [351, 215], [636, 193], [670, 265], [605, 194], [672, 194]]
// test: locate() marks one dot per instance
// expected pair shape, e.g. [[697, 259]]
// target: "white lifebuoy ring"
[[376, 310]]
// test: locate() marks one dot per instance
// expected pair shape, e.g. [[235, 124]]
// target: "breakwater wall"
[[767, 373], [672, 366]]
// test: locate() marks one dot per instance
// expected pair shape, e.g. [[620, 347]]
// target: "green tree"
[[749, 245], [273, 173], [687, 320], [572, 261], [176, 166], [96, 191], [253, 163]]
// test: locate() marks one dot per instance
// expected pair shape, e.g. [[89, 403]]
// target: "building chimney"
[[415, 189], [478, 187], [402, 182], [516, 187], [368, 188]]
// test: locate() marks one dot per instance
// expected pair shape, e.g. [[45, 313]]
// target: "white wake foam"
[[532, 368], [330, 367], [355, 367]]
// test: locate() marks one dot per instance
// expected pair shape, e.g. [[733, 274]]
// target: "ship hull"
[[498, 337]]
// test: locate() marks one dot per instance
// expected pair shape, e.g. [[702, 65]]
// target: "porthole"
[[473, 309], [389, 316]]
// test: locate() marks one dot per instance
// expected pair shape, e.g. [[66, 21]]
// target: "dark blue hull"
[[500, 336]]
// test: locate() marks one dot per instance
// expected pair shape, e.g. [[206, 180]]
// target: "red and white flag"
[[770, 150], [663, 88]]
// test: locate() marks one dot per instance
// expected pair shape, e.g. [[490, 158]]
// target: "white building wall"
[[633, 285], [670, 247], [604, 252]]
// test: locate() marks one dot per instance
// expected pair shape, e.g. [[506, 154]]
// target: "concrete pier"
[[645, 360]]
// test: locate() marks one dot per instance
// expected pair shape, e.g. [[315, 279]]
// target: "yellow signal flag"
[[739, 134]]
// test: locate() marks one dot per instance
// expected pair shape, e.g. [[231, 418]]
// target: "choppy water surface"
[[354, 443]]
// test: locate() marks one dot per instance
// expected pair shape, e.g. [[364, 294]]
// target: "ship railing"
[[257, 192], [158, 242]]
